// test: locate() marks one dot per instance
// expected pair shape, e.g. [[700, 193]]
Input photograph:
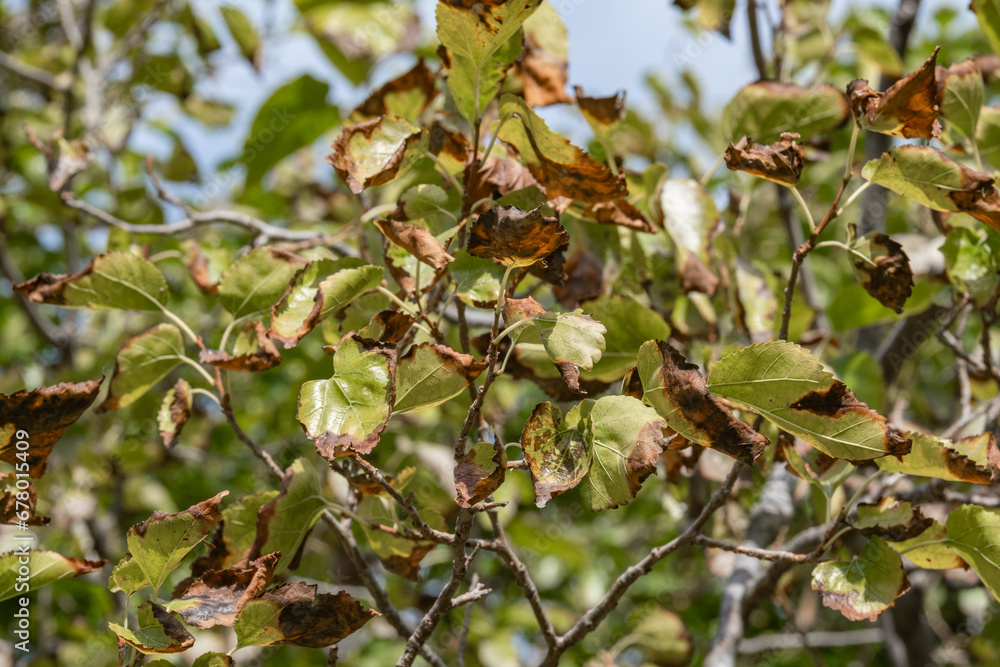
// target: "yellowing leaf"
[[377, 151], [864, 587], [158, 632], [558, 450]]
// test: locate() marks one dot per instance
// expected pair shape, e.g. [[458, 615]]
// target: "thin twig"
[[754, 552], [32, 73]]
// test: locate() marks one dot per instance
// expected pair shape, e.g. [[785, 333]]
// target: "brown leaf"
[[315, 621], [253, 356], [499, 176], [173, 629], [620, 212], [388, 327], [197, 265], [408, 566], [516, 237], [11, 505], [908, 109], [218, 596], [974, 459], [696, 277], [480, 473], [882, 268], [418, 80], [704, 418], [584, 281], [608, 111], [780, 162], [362, 482], [551, 268], [417, 241], [40, 417], [520, 309], [173, 417], [543, 74]]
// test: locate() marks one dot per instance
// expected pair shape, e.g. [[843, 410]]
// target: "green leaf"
[[212, 659], [765, 109], [142, 362], [284, 522], [293, 614], [988, 135], [294, 116], [477, 279], [677, 391], [571, 338], [627, 437], [376, 151], [756, 305], [935, 554], [482, 42], [865, 586], [988, 13], [257, 280], [117, 280], [348, 412], [970, 258], [974, 532], [323, 287], [962, 96], [397, 554], [432, 205], [128, 576], [628, 325], [789, 387], [558, 450], [429, 375], [158, 632], [159, 544], [559, 166], [823, 474], [690, 219], [663, 637], [43, 568], [974, 459], [243, 32]]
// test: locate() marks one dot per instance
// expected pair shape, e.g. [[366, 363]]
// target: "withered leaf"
[[499, 176], [294, 614], [197, 264], [480, 472], [40, 417], [558, 450], [908, 109], [387, 327], [174, 412], [561, 168], [881, 266], [363, 484], [218, 596], [891, 520], [516, 237], [584, 279], [781, 162], [158, 632], [678, 392], [607, 111], [376, 151], [619, 212], [253, 351], [407, 96], [417, 241], [543, 66], [14, 509], [974, 459], [553, 385]]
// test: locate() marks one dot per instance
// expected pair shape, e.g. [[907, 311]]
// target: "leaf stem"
[[205, 392], [854, 195], [194, 364], [805, 208], [493, 140], [707, 176], [849, 168], [838, 244]]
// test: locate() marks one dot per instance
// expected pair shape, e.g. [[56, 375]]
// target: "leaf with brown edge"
[[406, 96], [480, 472], [543, 66], [174, 412], [781, 162], [429, 375], [560, 167], [891, 520], [601, 112], [218, 596], [553, 384], [974, 459], [294, 614], [157, 631], [348, 412], [881, 266], [500, 176], [253, 351], [558, 450], [417, 241], [677, 391], [585, 279], [44, 568], [200, 268], [16, 504], [516, 237], [864, 587], [387, 327], [908, 109], [620, 212], [376, 151], [40, 417]]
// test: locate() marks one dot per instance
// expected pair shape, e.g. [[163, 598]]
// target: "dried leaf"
[[558, 451], [40, 417], [480, 472], [158, 632], [218, 596], [781, 162], [376, 151], [543, 66], [387, 327], [417, 241], [620, 212], [908, 109], [406, 96], [601, 111], [881, 266], [199, 268], [975, 459], [17, 504], [516, 237], [253, 351], [174, 412], [891, 520]]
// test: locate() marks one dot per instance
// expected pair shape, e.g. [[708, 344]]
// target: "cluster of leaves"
[[509, 290]]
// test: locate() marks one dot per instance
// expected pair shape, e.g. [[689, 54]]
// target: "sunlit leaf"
[[765, 109], [174, 412], [142, 362], [116, 280], [628, 325], [781, 162], [988, 13], [960, 88], [257, 280], [406, 96], [157, 632], [974, 532], [690, 218], [429, 375], [243, 32], [908, 108], [376, 151], [558, 450], [44, 567], [516, 237], [864, 587], [974, 459]]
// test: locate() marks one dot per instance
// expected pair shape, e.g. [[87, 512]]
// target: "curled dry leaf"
[[387, 327], [543, 66], [40, 417], [601, 111], [516, 237], [908, 109], [218, 596], [14, 503], [253, 351], [781, 162], [376, 151], [406, 96], [480, 472], [198, 267], [417, 241], [500, 176], [677, 391], [881, 266], [584, 279], [174, 412]]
